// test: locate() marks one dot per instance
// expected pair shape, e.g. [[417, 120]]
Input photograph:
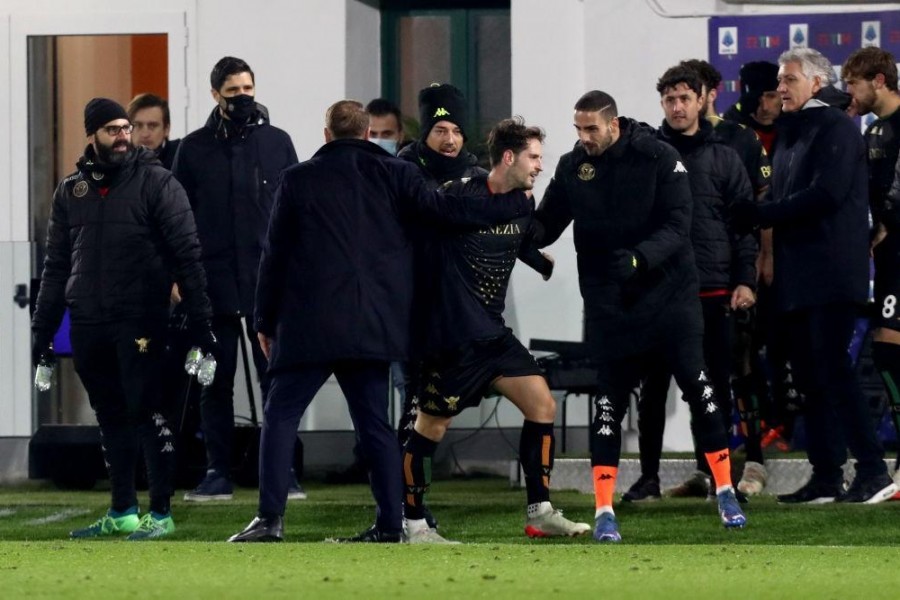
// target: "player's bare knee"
[[431, 427]]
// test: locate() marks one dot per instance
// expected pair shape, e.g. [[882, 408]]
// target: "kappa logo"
[[707, 392], [604, 477], [168, 447], [702, 376], [441, 112], [604, 401], [165, 432], [143, 345], [605, 430], [451, 402], [158, 420], [711, 407], [723, 456], [430, 389], [606, 417], [679, 167]]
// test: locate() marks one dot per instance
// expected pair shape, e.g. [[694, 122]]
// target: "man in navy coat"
[[334, 296]]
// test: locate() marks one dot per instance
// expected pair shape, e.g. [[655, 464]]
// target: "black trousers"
[[365, 386], [120, 365], [836, 412], [718, 338], [217, 400], [682, 351]]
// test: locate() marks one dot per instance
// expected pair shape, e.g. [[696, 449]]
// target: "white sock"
[[538, 508], [415, 525], [723, 488], [604, 509]]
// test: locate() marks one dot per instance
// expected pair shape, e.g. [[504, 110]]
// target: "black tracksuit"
[[230, 174], [635, 196], [118, 238]]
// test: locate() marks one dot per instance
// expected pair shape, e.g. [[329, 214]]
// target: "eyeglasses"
[[114, 130]]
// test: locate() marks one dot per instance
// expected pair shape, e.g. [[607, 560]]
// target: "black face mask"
[[240, 108]]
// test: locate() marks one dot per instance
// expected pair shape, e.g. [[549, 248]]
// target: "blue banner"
[[734, 41]]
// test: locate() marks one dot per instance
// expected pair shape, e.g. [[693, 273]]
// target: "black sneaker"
[[871, 490], [813, 492], [646, 488], [372, 535]]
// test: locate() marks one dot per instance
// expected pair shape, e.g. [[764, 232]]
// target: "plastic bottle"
[[207, 372], [43, 375], [193, 360]]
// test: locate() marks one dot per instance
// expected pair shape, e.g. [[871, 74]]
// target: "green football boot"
[[112, 523], [153, 526]]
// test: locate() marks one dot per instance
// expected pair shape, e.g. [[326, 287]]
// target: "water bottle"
[[192, 362], [207, 371], [43, 375]]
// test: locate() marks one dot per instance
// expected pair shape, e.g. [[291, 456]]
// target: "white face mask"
[[389, 145]]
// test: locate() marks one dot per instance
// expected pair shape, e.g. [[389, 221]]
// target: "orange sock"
[[604, 485], [720, 465]]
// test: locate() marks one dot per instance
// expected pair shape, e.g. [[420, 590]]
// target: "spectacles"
[[114, 130]]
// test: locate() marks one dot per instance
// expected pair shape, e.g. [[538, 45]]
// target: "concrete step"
[[785, 474]]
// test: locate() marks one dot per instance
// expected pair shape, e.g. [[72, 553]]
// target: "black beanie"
[[756, 78], [441, 102], [101, 111]]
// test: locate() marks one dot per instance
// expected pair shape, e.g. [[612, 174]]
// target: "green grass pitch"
[[672, 549]]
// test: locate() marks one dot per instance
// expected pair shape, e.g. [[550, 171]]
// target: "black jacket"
[[166, 153], [335, 279], [718, 179], [635, 196], [116, 245], [230, 177], [818, 204]]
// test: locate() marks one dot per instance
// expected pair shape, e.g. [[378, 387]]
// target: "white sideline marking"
[[7, 512], [59, 516]]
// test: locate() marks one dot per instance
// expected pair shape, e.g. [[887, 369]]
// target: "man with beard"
[[871, 78], [440, 154], [725, 261], [469, 351], [120, 231], [629, 199], [230, 168]]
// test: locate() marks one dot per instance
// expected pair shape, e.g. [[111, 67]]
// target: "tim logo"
[[799, 35], [870, 35], [728, 40], [441, 112]]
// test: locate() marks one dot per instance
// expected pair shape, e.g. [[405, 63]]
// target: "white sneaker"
[[753, 481], [552, 523], [418, 532]]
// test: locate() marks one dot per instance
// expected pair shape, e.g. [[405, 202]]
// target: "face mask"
[[389, 145], [239, 108]]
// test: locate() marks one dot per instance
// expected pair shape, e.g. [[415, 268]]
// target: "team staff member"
[[229, 168], [469, 350], [120, 229], [334, 296], [819, 214], [441, 155], [871, 78], [629, 199]]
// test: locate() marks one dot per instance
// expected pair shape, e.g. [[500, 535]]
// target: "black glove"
[[203, 337], [744, 217], [41, 347], [623, 265]]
